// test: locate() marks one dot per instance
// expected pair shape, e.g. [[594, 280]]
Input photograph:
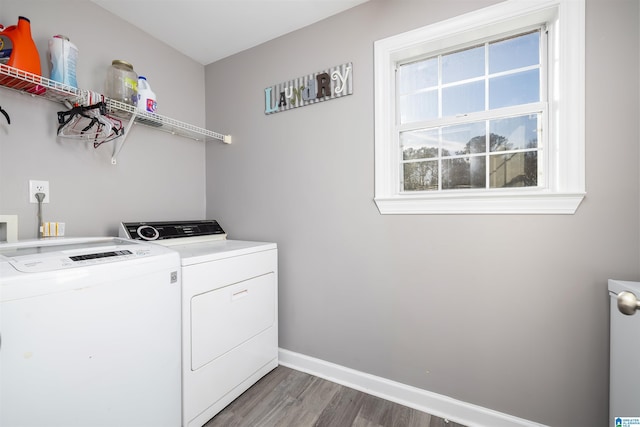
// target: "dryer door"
[[225, 318]]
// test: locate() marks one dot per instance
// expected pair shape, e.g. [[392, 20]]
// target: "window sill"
[[504, 203]]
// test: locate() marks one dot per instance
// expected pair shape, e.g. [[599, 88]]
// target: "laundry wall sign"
[[324, 85]]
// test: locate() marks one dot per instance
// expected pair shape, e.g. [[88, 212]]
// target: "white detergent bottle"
[[146, 98], [63, 55]]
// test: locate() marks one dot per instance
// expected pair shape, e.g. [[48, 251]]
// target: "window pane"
[[464, 139], [463, 173], [514, 89], [514, 170], [418, 75], [421, 176], [514, 133], [419, 106], [513, 53], [419, 144], [462, 65], [462, 99]]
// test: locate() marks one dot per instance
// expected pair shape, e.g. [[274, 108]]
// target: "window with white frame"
[[483, 113]]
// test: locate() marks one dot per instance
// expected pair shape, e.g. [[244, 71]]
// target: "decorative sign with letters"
[[310, 89]]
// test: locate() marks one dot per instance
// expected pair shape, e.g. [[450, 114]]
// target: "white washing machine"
[[229, 311], [90, 334]]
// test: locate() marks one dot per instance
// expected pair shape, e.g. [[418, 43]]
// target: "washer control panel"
[[40, 256], [170, 231]]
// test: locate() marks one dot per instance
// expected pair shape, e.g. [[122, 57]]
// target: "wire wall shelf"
[[167, 124], [42, 87]]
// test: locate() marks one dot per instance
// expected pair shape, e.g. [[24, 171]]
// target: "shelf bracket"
[[119, 142]]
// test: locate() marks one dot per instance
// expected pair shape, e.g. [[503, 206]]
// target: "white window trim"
[[566, 149]]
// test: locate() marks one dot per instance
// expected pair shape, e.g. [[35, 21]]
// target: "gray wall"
[[507, 312], [158, 176], [374, 293]]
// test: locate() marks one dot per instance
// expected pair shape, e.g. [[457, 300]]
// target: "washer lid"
[[49, 255]]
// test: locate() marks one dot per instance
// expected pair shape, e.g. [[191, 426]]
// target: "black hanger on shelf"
[[89, 122], [6, 115], [65, 117]]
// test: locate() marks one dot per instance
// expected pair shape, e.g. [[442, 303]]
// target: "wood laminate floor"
[[290, 398]]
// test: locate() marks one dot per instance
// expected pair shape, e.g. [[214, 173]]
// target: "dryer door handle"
[[240, 294]]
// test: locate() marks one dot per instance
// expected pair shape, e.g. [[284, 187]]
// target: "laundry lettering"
[[314, 88], [267, 102], [342, 84]]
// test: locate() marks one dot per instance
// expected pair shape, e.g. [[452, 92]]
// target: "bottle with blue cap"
[[146, 97]]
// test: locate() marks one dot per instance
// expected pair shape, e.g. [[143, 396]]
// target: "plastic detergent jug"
[[63, 55], [6, 47], [146, 97], [122, 82], [16, 44]]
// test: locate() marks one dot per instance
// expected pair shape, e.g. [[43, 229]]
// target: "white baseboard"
[[422, 400]]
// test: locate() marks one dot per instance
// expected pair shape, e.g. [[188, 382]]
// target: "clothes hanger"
[[89, 123], [6, 115]]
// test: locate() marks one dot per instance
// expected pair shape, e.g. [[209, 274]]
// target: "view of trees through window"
[[445, 144]]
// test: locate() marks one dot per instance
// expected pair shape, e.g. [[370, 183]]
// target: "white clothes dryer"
[[229, 311], [90, 334]]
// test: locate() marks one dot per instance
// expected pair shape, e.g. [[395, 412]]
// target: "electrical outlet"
[[38, 187]]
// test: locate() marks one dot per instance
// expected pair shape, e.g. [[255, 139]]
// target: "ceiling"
[[209, 30]]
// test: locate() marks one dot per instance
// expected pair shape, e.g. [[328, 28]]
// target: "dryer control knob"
[[147, 232]]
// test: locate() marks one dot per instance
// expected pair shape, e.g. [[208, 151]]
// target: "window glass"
[[463, 99], [514, 133], [418, 75], [514, 170], [463, 149], [418, 81], [466, 138], [419, 144], [463, 65], [464, 173], [419, 106], [515, 52], [420, 176], [517, 135], [514, 89]]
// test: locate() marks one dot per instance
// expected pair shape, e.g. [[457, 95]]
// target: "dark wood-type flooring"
[[290, 398]]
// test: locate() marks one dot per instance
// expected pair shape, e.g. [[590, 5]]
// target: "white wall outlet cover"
[[38, 187]]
